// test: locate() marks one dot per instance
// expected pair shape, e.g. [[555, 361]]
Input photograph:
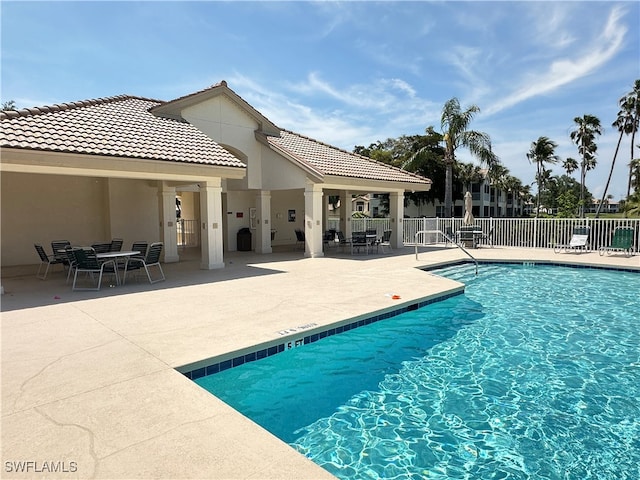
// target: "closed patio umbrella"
[[468, 216]]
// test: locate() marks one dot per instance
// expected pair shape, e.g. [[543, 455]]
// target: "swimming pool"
[[533, 373]]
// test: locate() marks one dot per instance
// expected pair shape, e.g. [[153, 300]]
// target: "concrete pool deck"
[[89, 386]]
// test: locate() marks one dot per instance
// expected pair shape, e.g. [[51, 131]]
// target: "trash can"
[[244, 240]]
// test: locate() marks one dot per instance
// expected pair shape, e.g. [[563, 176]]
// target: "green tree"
[[542, 151], [584, 135], [8, 105], [568, 203], [627, 123], [561, 192], [454, 125], [469, 173], [570, 165], [634, 168], [497, 175], [632, 105]]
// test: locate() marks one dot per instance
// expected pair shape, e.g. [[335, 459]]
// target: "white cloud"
[[566, 70]]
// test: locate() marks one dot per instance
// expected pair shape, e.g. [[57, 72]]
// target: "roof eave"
[[79, 164]]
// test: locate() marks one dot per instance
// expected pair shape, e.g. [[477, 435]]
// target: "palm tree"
[[454, 124], [570, 165], [542, 151], [468, 173], [497, 176], [626, 123], [513, 186], [634, 168], [632, 105], [584, 136]]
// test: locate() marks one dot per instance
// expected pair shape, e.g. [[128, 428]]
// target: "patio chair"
[[87, 262], [47, 260], [58, 247], [72, 261], [342, 240], [486, 238], [329, 238], [116, 245], [358, 241], [449, 236], [101, 247], [151, 260], [299, 238], [622, 241], [468, 237], [139, 246], [579, 241], [385, 241]]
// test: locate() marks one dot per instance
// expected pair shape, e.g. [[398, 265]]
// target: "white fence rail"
[[526, 232], [188, 233]]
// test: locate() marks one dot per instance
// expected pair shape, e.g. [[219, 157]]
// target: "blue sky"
[[346, 73]]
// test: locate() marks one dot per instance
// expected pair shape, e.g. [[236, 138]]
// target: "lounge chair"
[[622, 241], [579, 241]]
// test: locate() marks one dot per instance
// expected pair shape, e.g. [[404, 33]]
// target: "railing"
[[527, 232], [447, 238], [188, 233]]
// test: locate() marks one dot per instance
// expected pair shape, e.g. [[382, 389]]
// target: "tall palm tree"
[[497, 176], [542, 151], [627, 123], [454, 124], [632, 105], [513, 186], [584, 136]]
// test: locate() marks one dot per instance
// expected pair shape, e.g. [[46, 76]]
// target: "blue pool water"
[[533, 373]]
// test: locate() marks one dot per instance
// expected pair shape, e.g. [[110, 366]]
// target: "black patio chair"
[[299, 238], [101, 247], [139, 246], [47, 260], [151, 260], [116, 245], [87, 262]]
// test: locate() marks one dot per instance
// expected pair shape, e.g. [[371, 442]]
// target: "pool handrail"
[[448, 238]]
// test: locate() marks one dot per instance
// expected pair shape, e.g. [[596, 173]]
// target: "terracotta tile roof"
[[116, 126], [330, 160]]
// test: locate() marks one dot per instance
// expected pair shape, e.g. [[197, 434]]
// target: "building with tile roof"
[[113, 167]]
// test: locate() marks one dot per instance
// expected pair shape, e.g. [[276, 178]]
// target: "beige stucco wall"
[[41, 208], [281, 203], [227, 124], [278, 173]]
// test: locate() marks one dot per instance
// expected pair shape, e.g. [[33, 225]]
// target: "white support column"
[[313, 221], [263, 222], [168, 227], [345, 213], [211, 225], [396, 212]]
